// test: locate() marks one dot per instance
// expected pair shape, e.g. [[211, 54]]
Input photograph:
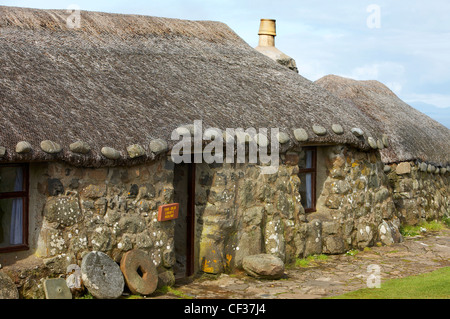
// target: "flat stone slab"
[[139, 271], [56, 289], [102, 276]]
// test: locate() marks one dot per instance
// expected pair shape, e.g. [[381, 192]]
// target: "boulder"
[[263, 266]]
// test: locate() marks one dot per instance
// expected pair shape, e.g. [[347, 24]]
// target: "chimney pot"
[[267, 27]]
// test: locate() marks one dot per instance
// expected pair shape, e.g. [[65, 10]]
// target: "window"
[[13, 207], [307, 174]]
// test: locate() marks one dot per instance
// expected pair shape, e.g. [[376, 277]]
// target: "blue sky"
[[406, 46]]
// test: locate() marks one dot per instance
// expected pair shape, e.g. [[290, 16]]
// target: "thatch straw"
[[121, 80], [413, 135]]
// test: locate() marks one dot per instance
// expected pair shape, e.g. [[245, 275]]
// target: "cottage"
[[88, 120]]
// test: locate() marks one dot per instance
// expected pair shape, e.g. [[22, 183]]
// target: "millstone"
[[139, 271], [102, 276]]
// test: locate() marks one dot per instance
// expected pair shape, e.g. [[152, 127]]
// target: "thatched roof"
[[126, 79], [413, 135]]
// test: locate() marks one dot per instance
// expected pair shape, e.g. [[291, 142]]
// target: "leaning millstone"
[[2, 151], [158, 146], [23, 147], [380, 144], [8, 289], [319, 130], [301, 135], [110, 153], [261, 140], [282, 137], [264, 266], [385, 140], [102, 276], [135, 150], [357, 131], [372, 142], [57, 289], [80, 147], [50, 147], [337, 129]]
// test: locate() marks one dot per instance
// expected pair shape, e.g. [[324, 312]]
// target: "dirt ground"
[[336, 275]]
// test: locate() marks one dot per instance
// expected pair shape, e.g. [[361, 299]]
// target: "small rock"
[[423, 167], [23, 147], [380, 144], [80, 147], [2, 151], [385, 140], [403, 168], [135, 150], [357, 132], [110, 153], [261, 140], [387, 169], [301, 135], [430, 168], [282, 137], [183, 131], [158, 146], [102, 276], [50, 147], [372, 142], [319, 130], [264, 266], [8, 289], [337, 129]]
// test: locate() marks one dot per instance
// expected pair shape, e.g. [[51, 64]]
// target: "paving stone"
[[57, 289]]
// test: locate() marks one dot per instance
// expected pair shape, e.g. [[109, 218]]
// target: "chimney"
[[267, 33]]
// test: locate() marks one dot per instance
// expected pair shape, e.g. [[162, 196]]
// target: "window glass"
[[11, 179], [11, 222], [306, 159], [306, 190]]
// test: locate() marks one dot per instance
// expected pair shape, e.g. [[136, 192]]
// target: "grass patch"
[[410, 231], [310, 260], [352, 252], [173, 291], [434, 285]]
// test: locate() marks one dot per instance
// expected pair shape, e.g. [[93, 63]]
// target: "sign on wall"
[[168, 212]]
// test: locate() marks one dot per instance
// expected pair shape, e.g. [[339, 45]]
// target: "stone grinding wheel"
[[139, 271]]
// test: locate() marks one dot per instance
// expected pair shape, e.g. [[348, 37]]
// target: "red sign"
[[168, 212]]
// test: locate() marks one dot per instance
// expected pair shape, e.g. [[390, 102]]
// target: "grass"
[[173, 291], [433, 285], [410, 231], [310, 260]]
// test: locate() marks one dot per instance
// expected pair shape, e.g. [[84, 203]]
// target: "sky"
[[405, 44]]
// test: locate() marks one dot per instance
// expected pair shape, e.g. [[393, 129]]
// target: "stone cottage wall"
[[112, 210], [241, 212], [420, 191]]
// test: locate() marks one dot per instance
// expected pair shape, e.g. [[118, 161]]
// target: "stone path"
[[337, 275]]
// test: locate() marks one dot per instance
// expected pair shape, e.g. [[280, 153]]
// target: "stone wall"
[[420, 191], [241, 212], [112, 210]]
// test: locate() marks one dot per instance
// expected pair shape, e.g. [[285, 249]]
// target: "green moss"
[[310, 260]]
